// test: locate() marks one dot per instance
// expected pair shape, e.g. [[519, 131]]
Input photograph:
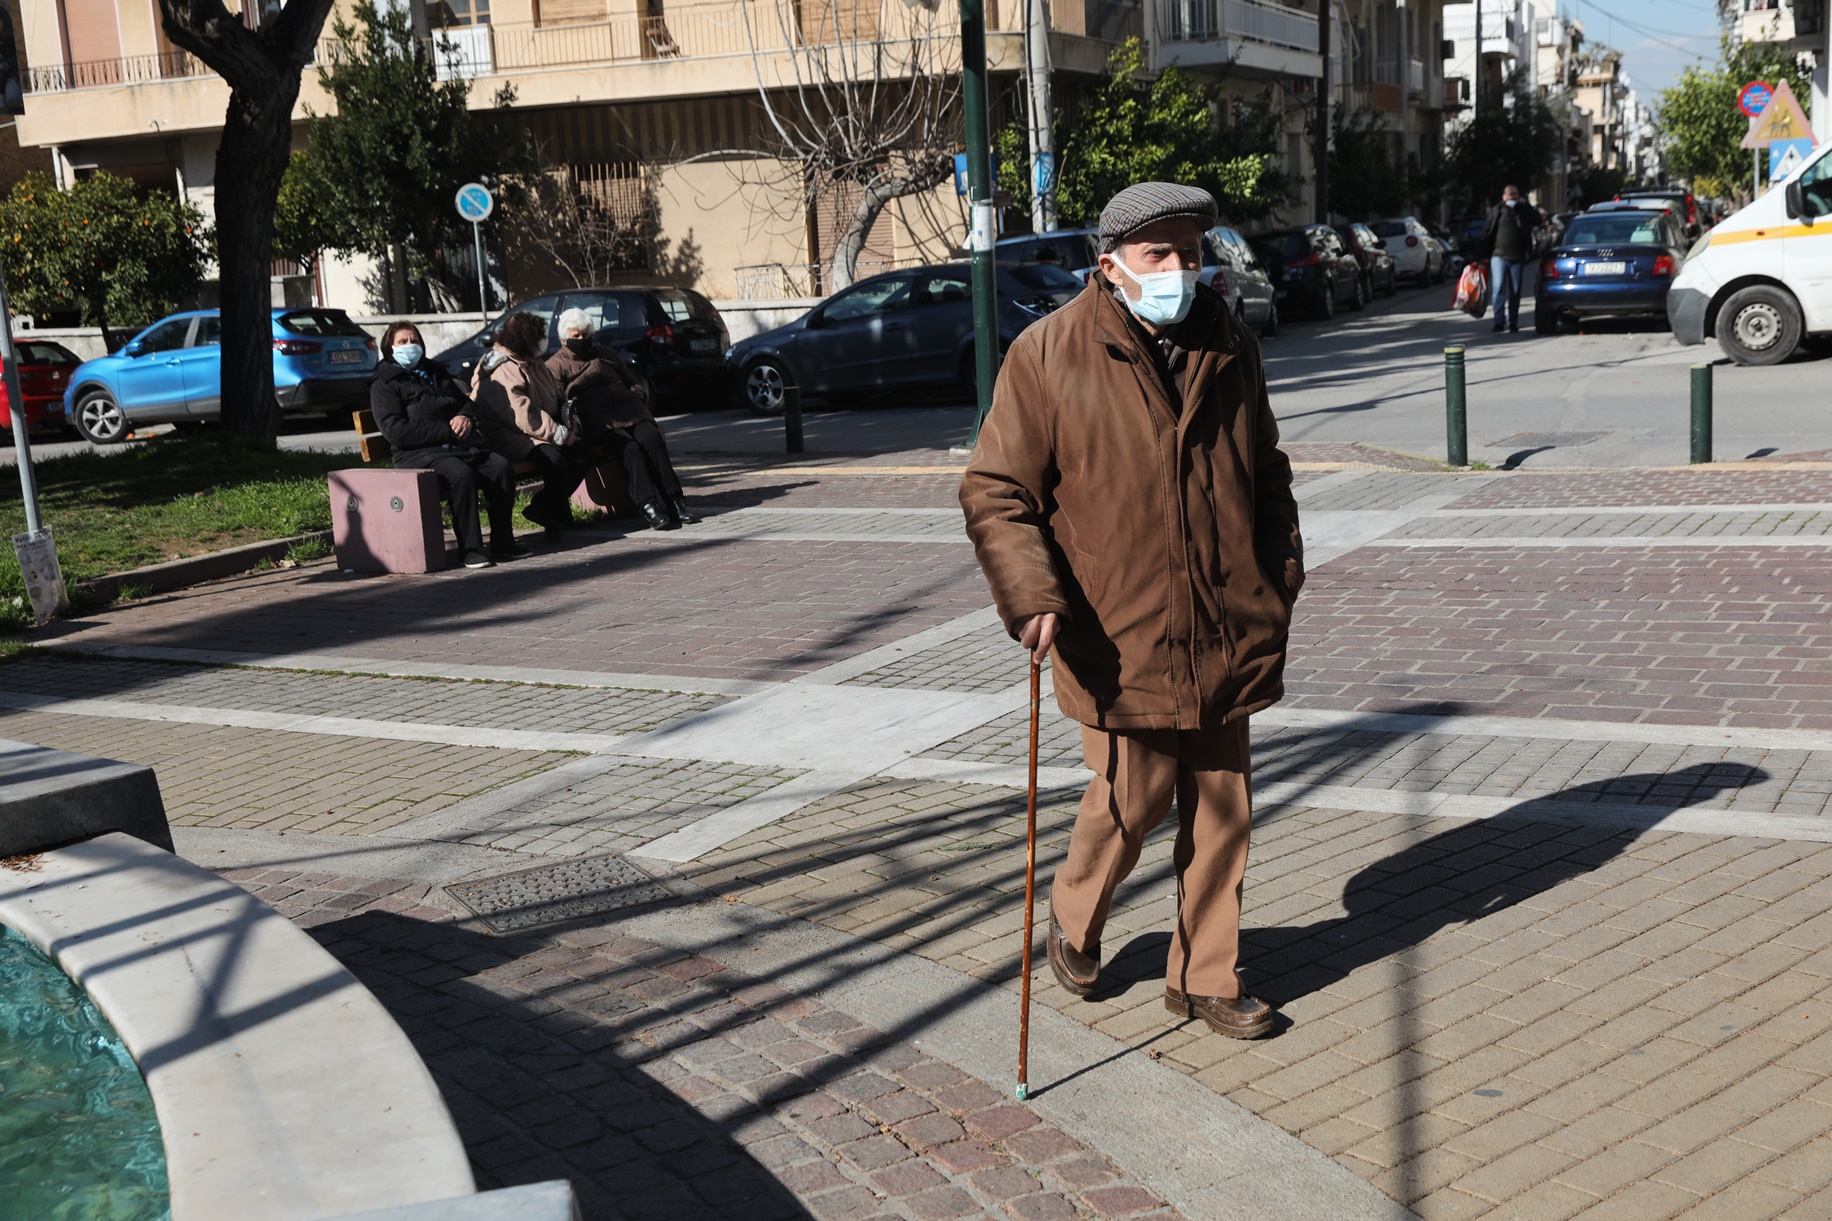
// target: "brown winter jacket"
[[518, 405], [1169, 545], [601, 387]]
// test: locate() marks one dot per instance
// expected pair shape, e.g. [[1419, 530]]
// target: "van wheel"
[[1759, 325]]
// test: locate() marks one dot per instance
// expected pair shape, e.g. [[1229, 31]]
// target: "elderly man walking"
[[1133, 515]]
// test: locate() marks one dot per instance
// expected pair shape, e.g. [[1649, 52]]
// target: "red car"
[[44, 369]]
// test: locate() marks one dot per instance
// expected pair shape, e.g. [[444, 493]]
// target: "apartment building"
[[664, 100], [1388, 59]]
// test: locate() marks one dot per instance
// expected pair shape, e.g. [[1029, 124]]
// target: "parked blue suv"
[[172, 372]]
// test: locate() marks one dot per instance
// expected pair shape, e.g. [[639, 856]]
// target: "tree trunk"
[[262, 68], [257, 140]]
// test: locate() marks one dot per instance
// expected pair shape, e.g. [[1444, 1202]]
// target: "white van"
[[1763, 277]]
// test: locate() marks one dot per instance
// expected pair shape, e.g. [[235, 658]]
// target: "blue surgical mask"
[[1164, 296], [407, 355]]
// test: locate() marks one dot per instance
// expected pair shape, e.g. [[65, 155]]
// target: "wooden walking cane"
[[1030, 887]]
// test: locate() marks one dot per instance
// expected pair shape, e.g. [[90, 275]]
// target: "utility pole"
[[1405, 105], [984, 228], [1325, 15], [1475, 72], [1042, 126]]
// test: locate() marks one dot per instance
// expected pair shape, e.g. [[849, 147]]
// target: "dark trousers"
[[463, 473], [562, 467], [646, 466]]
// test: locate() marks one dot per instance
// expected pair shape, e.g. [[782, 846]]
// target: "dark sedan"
[[1311, 269], [673, 338], [903, 330], [1608, 264], [1378, 271]]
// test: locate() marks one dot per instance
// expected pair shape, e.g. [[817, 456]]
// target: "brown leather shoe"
[[1074, 970], [1246, 1018]]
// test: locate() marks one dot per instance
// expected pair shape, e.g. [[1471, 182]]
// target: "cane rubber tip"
[[1023, 1091]]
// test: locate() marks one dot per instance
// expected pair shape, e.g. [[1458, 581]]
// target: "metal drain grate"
[[548, 894], [1550, 440]]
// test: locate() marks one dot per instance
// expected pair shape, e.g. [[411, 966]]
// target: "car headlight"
[[1035, 305]]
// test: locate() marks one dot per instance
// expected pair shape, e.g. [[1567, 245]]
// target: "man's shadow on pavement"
[[1458, 876]]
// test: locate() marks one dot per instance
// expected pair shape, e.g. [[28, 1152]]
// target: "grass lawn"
[[164, 500]]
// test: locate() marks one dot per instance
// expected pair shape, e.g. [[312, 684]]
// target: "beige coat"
[[1168, 543], [518, 405]]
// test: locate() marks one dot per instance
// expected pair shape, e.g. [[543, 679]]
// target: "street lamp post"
[[979, 194]]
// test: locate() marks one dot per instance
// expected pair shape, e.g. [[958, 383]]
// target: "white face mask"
[[1165, 297], [1512, 203]]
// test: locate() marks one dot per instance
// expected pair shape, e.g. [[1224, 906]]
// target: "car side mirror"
[[135, 348], [817, 320], [1380, 243], [1795, 197]]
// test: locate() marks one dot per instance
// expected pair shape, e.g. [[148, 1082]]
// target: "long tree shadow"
[[542, 1069]]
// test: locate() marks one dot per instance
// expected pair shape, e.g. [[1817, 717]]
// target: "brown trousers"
[[1136, 775]]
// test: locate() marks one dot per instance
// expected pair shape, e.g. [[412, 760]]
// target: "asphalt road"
[[1616, 395]]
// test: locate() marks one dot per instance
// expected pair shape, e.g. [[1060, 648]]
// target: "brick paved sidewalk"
[[1566, 1010], [664, 1085]]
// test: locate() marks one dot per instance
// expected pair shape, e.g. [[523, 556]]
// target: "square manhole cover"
[[548, 894], [1548, 440]]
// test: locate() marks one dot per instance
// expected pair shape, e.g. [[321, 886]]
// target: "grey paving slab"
[[985, 660], [620, 807], [1680, 524], [1386, 490], [484, 705]]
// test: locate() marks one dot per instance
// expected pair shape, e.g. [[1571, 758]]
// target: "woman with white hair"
[[613, 414]]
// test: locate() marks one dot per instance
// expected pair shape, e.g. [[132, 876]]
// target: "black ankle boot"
[[683, 514], [658, 517]]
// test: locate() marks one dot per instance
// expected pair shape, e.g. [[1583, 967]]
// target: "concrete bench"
[[49, 798]]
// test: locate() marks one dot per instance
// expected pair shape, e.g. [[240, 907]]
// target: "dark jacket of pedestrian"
[[1141, 495], [1508, 232], [601, 388], [414, 408]]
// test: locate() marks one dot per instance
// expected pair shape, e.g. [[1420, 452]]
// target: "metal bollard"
[[1456, 421], [1701, 413], [791, 419]]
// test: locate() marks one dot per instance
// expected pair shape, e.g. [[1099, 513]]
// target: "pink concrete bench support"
[[387, 521]]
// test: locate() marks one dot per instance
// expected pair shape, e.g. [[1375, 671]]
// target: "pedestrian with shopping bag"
[[1133, 514], [1507, 243]]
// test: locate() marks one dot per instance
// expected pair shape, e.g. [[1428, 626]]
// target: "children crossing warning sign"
[[1781, 119]]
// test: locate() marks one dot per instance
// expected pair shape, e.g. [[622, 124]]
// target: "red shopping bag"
[[1473, 290]]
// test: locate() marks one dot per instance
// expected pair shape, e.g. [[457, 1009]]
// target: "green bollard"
[[1701, 414], [1456, 421]]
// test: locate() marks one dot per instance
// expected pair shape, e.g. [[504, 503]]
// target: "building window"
[[445, 14]]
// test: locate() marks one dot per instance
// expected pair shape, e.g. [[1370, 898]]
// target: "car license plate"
[[1605, 269], [347, 356], [704, 345]]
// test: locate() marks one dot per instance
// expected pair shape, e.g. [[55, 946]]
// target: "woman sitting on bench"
[[429, 425], [614, 415], [525, 420]]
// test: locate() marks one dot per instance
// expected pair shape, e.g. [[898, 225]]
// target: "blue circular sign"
[[1754, 98], [475, 203]]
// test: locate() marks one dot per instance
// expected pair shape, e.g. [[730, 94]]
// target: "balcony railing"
[[131, 70], [1253, 20], [698, 30]]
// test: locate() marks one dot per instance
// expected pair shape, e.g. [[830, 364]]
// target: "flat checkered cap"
[[1144, 202]]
